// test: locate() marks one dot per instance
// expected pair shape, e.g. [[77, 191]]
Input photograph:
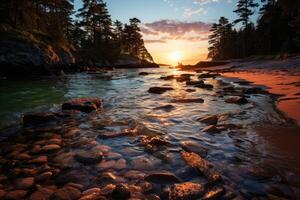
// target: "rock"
[[198, 100], [154, 141], [43, 177], [143, 163], [120, 164], [24, 183], [237, 100], [2, 194], [39, 160], [108, 135], [254, 90], [107, 189], [22, 156], [85, 105], [191, 146], [211, 120], [208, 75], [50, 147], [94, 196], [42, 194], [143, 73], [162, 178], [167, 108], [167, 78], [105, 165], [134, 174], [206, 168], [211, 129], [190, 90], [66, 193], [159, 90], [75, 185], [106, 177], [40, 118], [186, 191], [121, 191], [183, 78], [91, 191], [89, 158], [72, 133], [204, 86], [194, 82], [15, 195], [112, 156], [214, 193]]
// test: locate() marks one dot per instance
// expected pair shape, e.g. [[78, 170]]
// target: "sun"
[[176, 56]]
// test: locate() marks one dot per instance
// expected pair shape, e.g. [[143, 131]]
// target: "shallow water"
[[250, 165]]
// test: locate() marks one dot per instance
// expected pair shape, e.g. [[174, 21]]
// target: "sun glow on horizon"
[[176, 56]]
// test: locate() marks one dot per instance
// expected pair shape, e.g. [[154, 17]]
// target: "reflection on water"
[[240, 155]]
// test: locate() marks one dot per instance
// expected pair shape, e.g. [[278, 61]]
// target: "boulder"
[[204, 86], [186, 191], [85, 105], [168, 78], [143, 73], [159, 90], [24, 183], [208, 75], [42, 194], [167, 108], [194, 82]]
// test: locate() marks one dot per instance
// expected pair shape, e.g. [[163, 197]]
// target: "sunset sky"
[[174, 30]]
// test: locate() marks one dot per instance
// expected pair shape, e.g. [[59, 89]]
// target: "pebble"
[[112, 156], [121, 191], [50, 147], [191, 146], [186, 190], [39, 160], [89, 158], [72, 133], [91, 191], [24, 183], [211, 129], [210, 120], [22, 156], [142, 162], [42, 194], [237, 100], [162, 178], [66, 193], [43, 177], [107, 189], [15, 195]]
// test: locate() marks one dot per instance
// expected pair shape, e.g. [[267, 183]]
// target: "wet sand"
[[281, 83]]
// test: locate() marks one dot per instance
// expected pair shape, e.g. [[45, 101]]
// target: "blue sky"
[[173, 27]]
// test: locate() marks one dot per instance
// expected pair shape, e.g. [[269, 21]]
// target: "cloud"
[[165, 30], [188, 12], [203, 2]]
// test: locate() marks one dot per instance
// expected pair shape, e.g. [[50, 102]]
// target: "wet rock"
[[204, 86], [254, 90], [72, 133], [121, 191], [205, 167], [86, 105], [144, 163], [94, 196], [50, 147], [214, 193], [198, 100], [106, 177], [66, 193], [22, 156], [182, 78], [154, 141], [237, 100], [211, 129], [186, 191], [159, 90], [168, 78], [89, 158], [105, 165], [134, 174], [2, 194], [112, 156], [191, 146], [194, 82], [167, 108], [42, 194], [143, 73], [190, 90], [24, 183], [108, 135], [208, 75], [15, 195], [120, 164], [43, 177], [40, 118], [39, 160], [211, 120], [108, 189], [91, 191], [162, 178]]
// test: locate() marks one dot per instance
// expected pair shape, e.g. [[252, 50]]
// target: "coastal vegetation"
[[275, 32]]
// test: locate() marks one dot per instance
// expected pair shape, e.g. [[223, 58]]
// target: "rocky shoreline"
[[57, 156]]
